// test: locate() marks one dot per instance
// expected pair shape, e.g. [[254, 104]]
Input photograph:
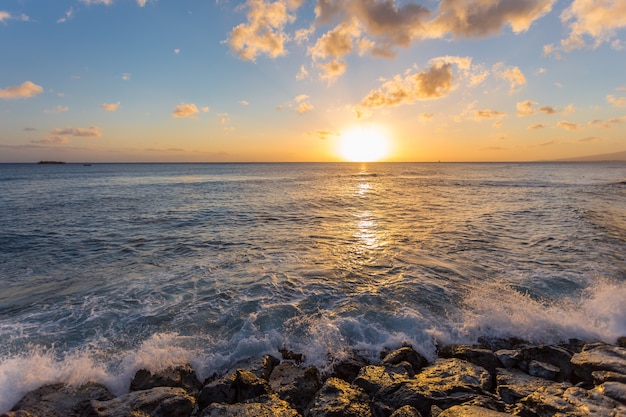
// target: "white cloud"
[[598, 20]]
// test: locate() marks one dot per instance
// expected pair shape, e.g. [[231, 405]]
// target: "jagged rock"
[[604, 376], [59, 400], [264, 406], [261, 367], [564, 400], [348, 369], [508, 357], [615, 390], [155, 402], [543, 370], [448, 382], [19, 413], [372, 378], [182, 377], [481, 357], [295, 385], [471, 411], [236, 387], [405, 354], [406, 411], [495, 343], [289, 355], [599, 357], [553, 355], [621, 341], [513, 385], [337, 398]]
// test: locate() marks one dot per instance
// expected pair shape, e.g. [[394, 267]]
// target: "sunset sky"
[[294, 80]]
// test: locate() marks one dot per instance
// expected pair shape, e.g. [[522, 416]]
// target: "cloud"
[[4, 16], [244, 102], [569, 125], [24, 90], [303, 105], [67, 16], [608, 123], [29, 129], [598, 20], [488, 114], [52, 140], [126, 76], [537, 126], [111, 106], [105, 2], [57, 109], [184, 110], [426, 116], [432, 83], [264, 31], [59, 136], [325, 134], [616, 101], [525, 108], [512, 74]]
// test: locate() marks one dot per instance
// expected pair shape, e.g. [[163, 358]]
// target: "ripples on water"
[[110, 268]]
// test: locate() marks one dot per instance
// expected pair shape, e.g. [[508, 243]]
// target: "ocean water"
[[109, 268]]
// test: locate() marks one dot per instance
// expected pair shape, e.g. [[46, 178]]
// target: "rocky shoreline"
[[493, 378]]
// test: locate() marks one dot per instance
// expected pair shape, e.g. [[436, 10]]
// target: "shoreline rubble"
[[495, 378]]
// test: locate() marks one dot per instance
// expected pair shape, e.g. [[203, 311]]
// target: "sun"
[[364, 144]]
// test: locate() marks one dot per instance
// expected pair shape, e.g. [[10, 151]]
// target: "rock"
[[543, 370], [236, 387], [406, 411], [599, 357], [349, 368], [471, 411], [446, 383], [60, 400], [615, 390], [495, 343], [288, 355], [372, 378], [295, 385], [508, 357], [481, 357], [337, 398], [155, 402], [603, 376], [264, 406], [405, 354], [182, 377], [261, 367], [621, 341], [553, 355], [565, 400], [512, 385], [19, 413]]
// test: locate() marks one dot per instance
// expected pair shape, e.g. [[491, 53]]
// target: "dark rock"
[[348, 369], [155, 402], [337, 398], [513, 385], [60, 400], [373, 378], [495, 343], [508, 357], [19, 413], [182, 377], [446, 383], [599, 357], [295, 385], [621, 341], [553, 355], [478, 356], [261, 367], [543, 370], [264, 406], [604, 376], [615, 390], [239, 386], [405, 354], [471, 411], [288, 355], [406, 411], [565, 400]]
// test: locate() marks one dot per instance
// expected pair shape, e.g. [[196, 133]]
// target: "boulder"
[[264, 406], [471, 411], [552, 355], [543, 370], [372, 378], [512, 385], [155, 402], [621, 341], [565, 400], [406, 411], [261, 367], [615, 390], [59, 400], [295, 385], [603, 376], [348, 369], [405, 354], [508, 357], [337, 398], [478, 356], [236, 387], [599, 357], [182, 377]]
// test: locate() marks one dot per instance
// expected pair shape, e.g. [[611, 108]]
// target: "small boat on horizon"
[[51, 162]]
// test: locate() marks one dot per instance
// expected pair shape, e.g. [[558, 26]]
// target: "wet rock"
[[478, 356], [295, 385], [348, 369], [621, 341], [604, 376], [406, 411], [60, 400], [446, 383], [337, 398], [405, 354], [373, 378], [615, 390], [599, 357], [155, 402], [513, 385], [289, 355], [564, 400], [264, 406], [553, 355], [261, 367], [236, 387], [509, 358], [543, 370], [471, 411], [496, 343], [182, 377]]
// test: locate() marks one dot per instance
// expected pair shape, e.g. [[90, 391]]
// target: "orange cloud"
[[111, 106], [568, 125], [184, 110], [616, 101], [24, 90], [598, 20]]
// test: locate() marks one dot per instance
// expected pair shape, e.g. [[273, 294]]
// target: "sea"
[[106, 269]]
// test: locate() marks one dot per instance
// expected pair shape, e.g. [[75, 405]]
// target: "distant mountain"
[[616, 156]]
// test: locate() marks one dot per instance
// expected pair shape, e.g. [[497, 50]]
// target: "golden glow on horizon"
[[364, 144]]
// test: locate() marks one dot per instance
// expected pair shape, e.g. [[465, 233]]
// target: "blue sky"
[[291, 80]]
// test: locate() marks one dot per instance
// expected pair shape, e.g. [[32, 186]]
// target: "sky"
[[311, 80]]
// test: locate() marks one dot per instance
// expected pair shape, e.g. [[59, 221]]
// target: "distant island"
[[605, 157], [51, 162]]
